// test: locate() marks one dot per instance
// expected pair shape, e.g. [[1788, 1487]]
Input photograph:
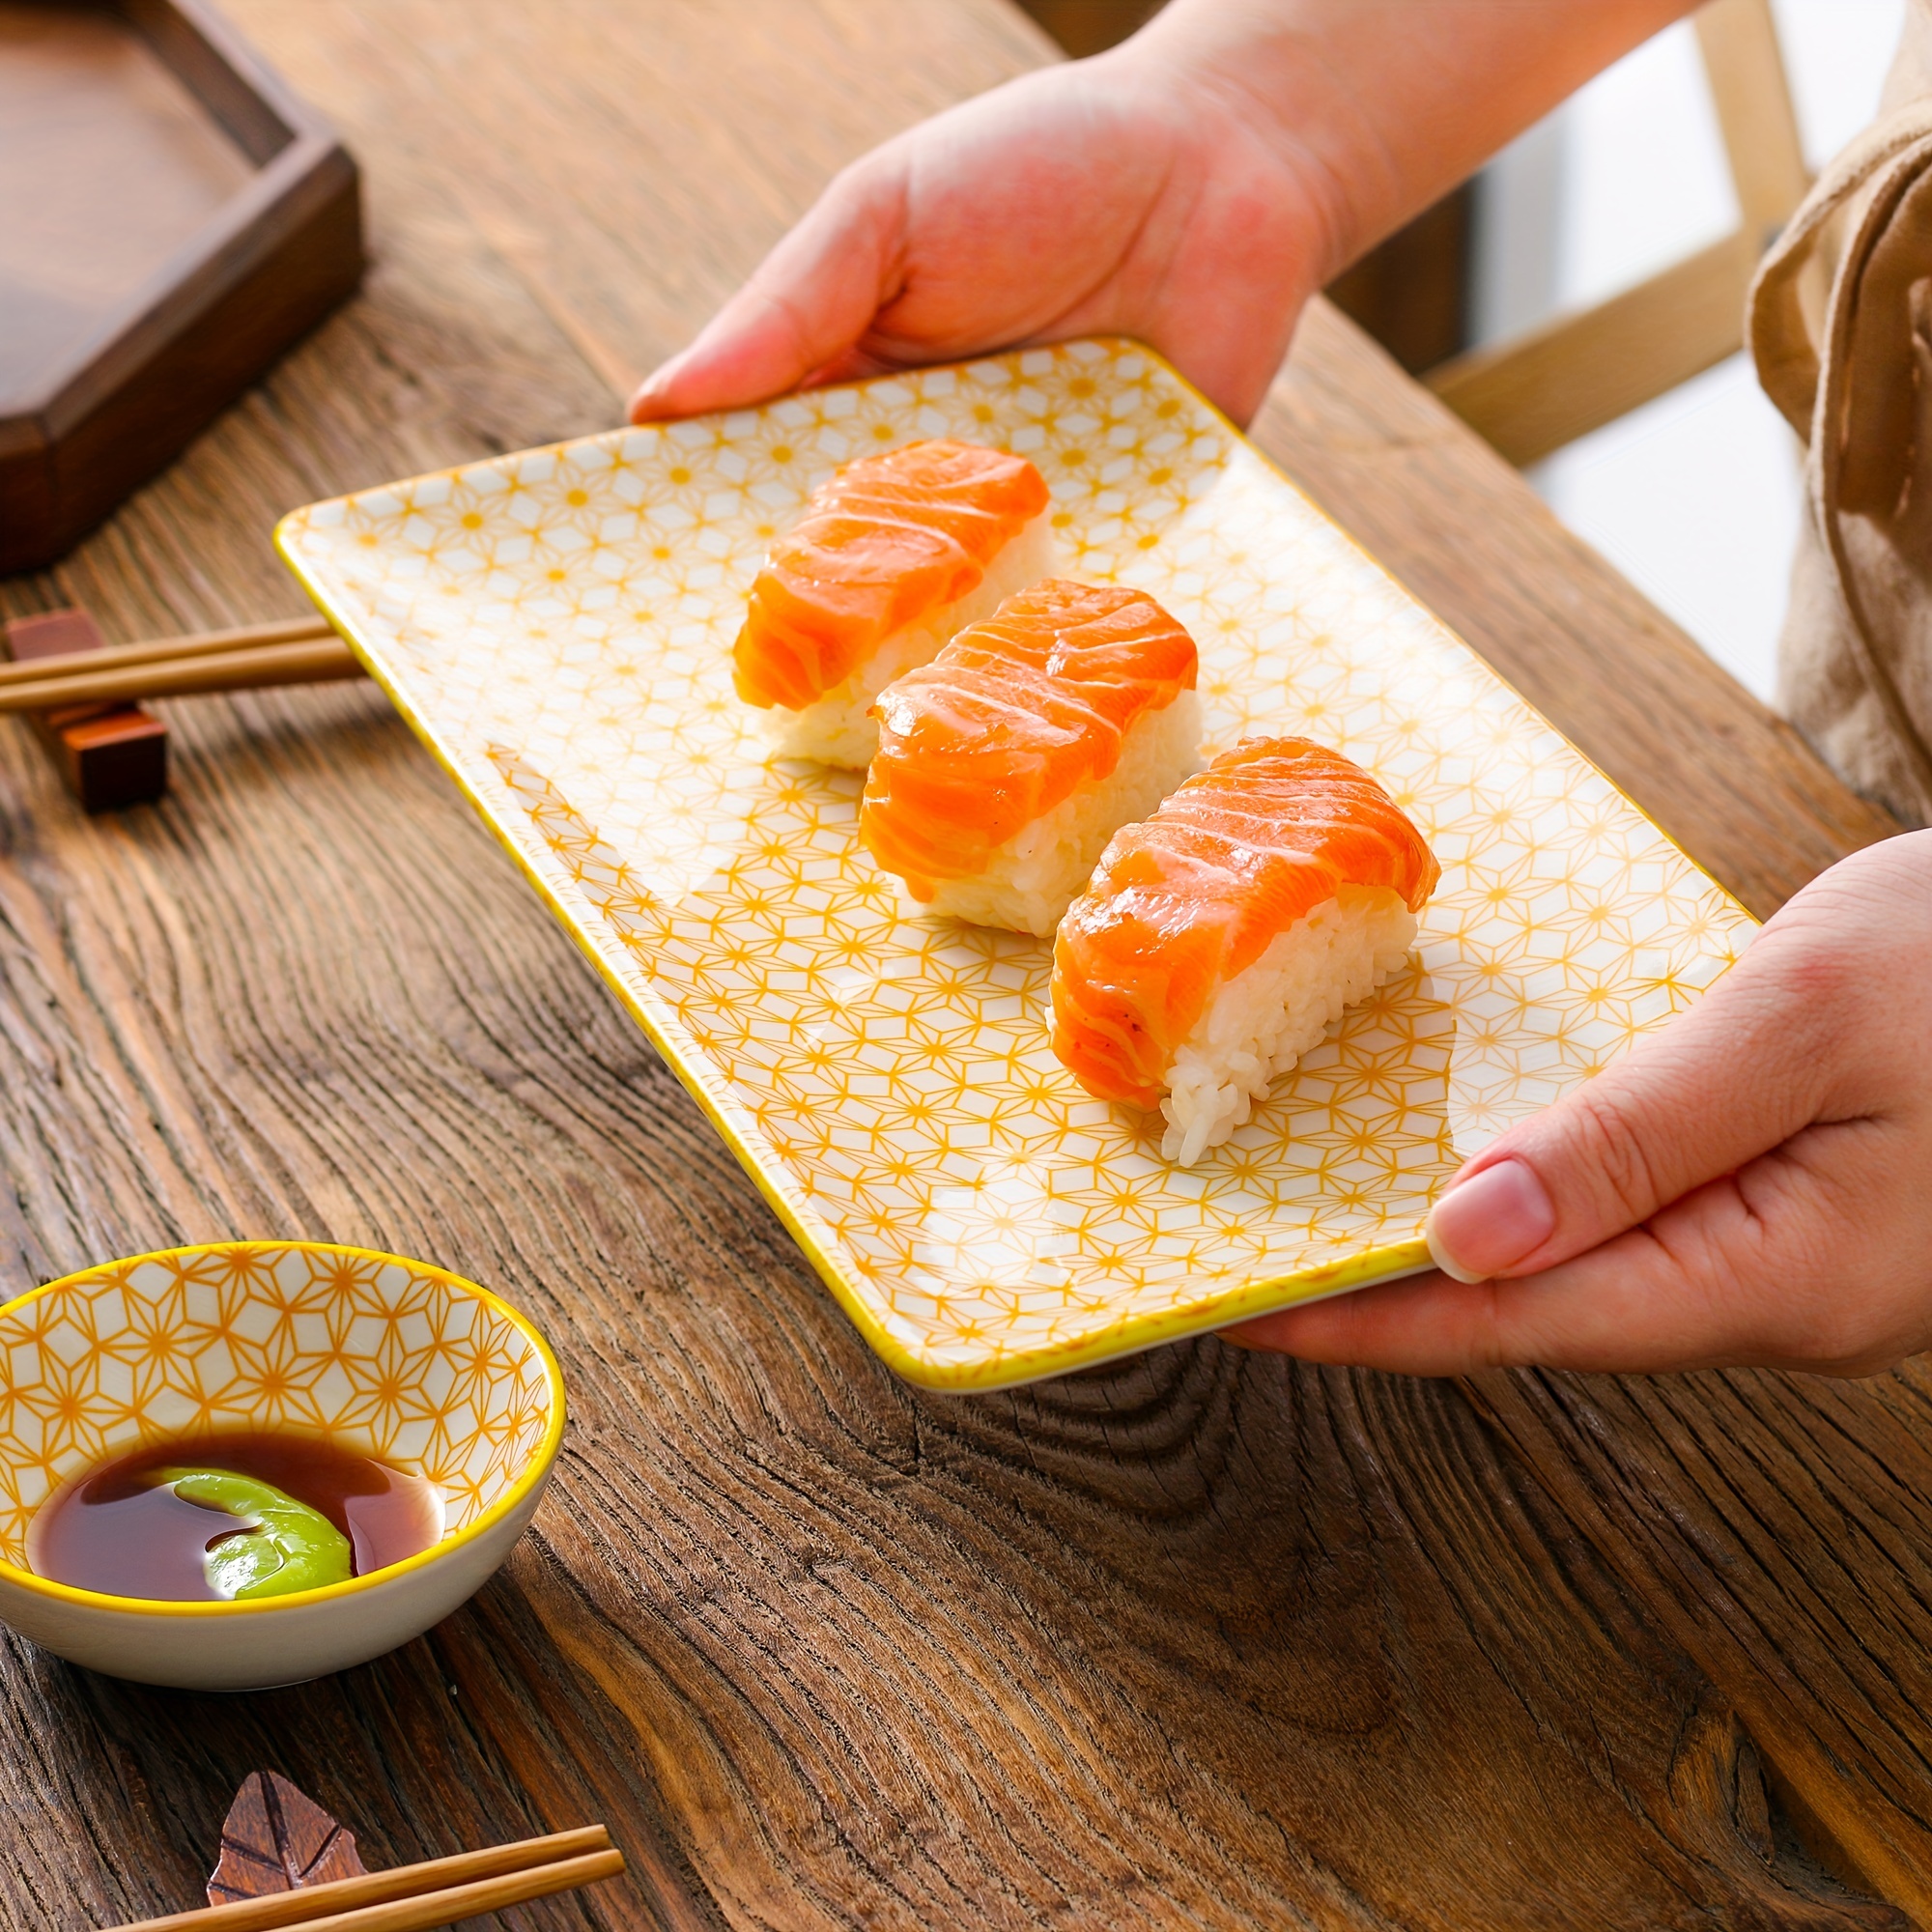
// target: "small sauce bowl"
[[397, 1360]]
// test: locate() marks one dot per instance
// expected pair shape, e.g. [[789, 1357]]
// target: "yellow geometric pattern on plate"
[[557, 627], [397, 1360]]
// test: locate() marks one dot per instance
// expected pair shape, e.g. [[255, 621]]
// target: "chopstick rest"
[[413, 1898], [84, 697], [110, 752], [407, 1899], [276, 1837]]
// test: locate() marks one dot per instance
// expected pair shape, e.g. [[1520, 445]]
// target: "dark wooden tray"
[[172, 218]]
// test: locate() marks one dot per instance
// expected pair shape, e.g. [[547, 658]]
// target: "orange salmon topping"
[[1015, 714], [882, 542], [1181, 902]]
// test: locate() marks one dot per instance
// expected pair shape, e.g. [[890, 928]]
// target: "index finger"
[[805, 306]]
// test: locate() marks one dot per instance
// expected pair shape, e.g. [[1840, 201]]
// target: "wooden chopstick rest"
[[110, 752], [413, 1898], [84, 697]]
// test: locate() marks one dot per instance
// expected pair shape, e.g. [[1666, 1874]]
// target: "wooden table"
[[1204, 1639]]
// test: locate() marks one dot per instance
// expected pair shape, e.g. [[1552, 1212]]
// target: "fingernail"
[[654, 384], [1489, 1222]]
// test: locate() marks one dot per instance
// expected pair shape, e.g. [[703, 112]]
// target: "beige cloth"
[[1842, 327]]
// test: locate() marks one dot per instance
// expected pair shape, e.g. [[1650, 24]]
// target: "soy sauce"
[[117, 1529]]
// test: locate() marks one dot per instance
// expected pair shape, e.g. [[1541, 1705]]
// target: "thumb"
[[1730, 1079], [805, 306]]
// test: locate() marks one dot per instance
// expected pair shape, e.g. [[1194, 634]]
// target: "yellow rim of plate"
[[1135, 1334], [538, 1468]]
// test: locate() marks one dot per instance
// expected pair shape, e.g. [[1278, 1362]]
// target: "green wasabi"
[[279, 1546]]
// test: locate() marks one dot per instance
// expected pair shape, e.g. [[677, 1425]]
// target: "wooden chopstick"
[[412, 1898], [99, 677], [157, 651]]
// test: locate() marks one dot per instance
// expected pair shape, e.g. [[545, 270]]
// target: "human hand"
[[1750, 1187], [1190, 189], [1109, 196]]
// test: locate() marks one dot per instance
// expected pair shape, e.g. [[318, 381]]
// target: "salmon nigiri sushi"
[[1219, 939], [1004, 764], [892, 555]]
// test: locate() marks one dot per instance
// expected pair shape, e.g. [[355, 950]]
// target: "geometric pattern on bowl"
[[557, 625], [392, 1359]]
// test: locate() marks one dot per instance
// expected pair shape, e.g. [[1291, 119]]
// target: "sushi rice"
[[1221, 936], [1258, 1024], [1030, 880]]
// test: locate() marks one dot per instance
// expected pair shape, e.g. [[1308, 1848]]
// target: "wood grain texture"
[[1199, 1638], [1780, 1527]]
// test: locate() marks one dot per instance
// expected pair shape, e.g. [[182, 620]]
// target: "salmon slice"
[[1184, 900], [1013, 716], [883, 542]]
